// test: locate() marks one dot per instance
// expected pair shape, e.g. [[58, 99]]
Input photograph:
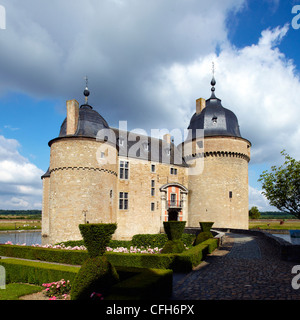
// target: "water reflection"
[[19, 237], [287, 237]]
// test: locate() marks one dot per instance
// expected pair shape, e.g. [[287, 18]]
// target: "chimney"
[[167, 138], [72, 116], [200, 105]]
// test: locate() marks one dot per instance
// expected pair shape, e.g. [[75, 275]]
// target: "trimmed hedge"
[[36, 272], [183, 262], [203, 236], [96, 273], [191, 257], [206, 226], [135, 283], [96, 237], [74, 257], [158, 240]]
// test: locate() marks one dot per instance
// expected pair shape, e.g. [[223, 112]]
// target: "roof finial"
[[86, 91], [213, 81]]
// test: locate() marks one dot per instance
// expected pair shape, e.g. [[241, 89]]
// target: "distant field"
[[11, 224], [274, 224]]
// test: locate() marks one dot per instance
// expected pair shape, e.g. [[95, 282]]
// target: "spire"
[[213, 82], [86, 91]]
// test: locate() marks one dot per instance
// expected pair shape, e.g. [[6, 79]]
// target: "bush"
[[96, 237], [96, 275], [174, 230], [254, 213], [135, 283], [203, 236], [206, 226], [149, 240], [35, 272], [158, 240]]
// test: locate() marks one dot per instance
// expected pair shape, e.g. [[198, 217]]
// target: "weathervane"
[[86, 91]]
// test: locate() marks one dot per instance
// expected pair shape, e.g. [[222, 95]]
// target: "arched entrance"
[[173, 197]]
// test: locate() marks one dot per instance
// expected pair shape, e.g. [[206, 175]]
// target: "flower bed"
[[108, 249], [180, 262]]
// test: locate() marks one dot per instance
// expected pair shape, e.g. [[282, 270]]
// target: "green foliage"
[[174, 229], [135, 283], [206, 226], [173, 246], [21, 212], [149, 240], [254, 213], [15, 290], [97, 274], [181, 262], [75, 257], [112, 243], [203, 236], [281, 186], [96, 237], [276, 215], [149, 284], [35, 272], [158, 240]]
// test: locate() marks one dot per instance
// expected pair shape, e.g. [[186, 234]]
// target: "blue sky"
[[147, 63]]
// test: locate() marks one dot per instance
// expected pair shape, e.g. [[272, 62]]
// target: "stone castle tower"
[[135, 180], [219, 193]]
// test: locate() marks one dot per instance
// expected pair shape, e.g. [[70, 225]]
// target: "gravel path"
[[244, 268]]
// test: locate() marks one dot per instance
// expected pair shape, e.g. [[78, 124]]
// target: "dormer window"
[[214, 119]]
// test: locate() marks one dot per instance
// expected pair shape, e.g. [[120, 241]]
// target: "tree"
[[254, 213], [282, 186]]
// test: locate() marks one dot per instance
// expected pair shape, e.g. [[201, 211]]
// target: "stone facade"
[[90, 181]]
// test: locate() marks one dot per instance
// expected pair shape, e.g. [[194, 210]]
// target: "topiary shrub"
[[202, 236], [96, 237], [96, 274], [206, 226], [174, 230]]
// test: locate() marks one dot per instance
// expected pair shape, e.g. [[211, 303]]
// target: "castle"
[[99, 174]]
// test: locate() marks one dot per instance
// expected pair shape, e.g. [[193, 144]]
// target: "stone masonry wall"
[[81, 188], [220, 192]]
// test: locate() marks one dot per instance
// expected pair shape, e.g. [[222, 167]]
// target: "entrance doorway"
[[173, 215]]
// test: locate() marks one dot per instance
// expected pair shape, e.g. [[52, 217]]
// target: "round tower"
[[81, 158], [219, 191]]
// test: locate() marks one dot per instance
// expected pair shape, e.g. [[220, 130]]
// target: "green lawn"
[[274, 224], [13, 291]]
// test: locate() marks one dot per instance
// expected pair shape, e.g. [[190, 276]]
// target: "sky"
[[147, 62]]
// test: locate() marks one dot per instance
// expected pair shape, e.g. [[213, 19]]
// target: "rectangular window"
[[152, 206], [152, 187], [123, 200], [124, 170], [173, 171], [152, 167]]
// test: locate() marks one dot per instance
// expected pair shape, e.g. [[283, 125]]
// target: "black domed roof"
[[89, 123], [215, 119]]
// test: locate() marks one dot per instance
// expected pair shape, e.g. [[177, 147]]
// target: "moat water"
[[21, 237]]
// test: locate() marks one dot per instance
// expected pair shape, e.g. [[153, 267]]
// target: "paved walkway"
[[243, 268]]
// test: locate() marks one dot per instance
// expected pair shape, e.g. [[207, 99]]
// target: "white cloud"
[[20, 180], [256, 198], [257, 83]]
